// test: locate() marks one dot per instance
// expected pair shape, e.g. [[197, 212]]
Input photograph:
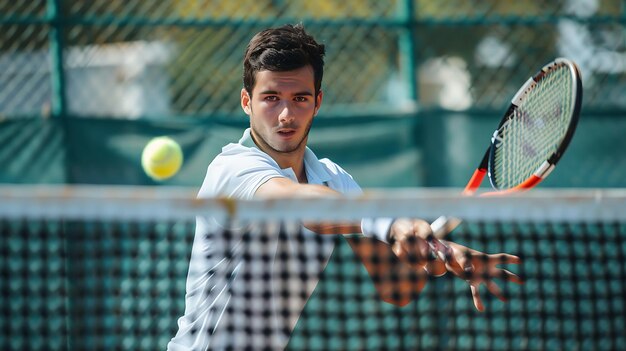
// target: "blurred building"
[[125, 80]]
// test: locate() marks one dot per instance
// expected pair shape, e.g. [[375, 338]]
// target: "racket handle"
[[443, 225]]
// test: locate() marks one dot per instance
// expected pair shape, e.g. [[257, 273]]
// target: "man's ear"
[[318, 102], [246, 101]]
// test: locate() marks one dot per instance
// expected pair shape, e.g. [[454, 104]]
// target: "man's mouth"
[[286, 132]]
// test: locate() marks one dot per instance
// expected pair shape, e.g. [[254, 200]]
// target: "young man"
[[247, 291]]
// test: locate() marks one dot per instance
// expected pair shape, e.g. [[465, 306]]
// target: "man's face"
[[281, 109]]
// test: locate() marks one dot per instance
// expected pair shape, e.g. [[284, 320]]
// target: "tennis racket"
[[531, 137]]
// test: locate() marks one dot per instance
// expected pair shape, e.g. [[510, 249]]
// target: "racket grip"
[[443, 225]]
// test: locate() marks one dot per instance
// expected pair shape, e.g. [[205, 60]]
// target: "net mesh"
[[95, 270], [536, 130]]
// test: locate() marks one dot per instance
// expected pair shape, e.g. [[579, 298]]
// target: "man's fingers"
[[510, 276], [503, 258], [476, 296], [466, 265], [460, 266], [422, 229], [442, 251], [495, 290], [436, 268], [413, 251]]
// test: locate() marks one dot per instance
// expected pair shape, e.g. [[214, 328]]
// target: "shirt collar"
[[315, 170]]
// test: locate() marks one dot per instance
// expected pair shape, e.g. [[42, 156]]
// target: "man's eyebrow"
[[304, 93], [274, 92], [270, 92]]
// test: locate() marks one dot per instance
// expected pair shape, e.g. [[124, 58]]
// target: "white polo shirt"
[[246, 288]]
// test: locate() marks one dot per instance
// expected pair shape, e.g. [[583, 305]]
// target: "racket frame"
[[444, 225], [486, 165]]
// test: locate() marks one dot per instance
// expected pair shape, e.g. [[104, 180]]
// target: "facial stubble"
[[258, 137]]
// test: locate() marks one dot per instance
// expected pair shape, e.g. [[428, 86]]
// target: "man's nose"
[[286, 114]]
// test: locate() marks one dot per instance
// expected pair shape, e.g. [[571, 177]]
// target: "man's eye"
[[271, 98], [300, 99]]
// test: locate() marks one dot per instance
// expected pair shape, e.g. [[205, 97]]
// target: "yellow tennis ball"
[[161, 158]]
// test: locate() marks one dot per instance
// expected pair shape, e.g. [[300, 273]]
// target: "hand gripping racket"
[[531, 137]]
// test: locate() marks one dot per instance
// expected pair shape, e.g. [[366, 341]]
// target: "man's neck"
[[294, 160]]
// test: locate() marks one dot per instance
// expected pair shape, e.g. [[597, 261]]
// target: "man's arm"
[[400, 269], [397, 282], [286, 188], [281, 187]]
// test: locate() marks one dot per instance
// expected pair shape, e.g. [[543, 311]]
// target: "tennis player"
[[225, 306]]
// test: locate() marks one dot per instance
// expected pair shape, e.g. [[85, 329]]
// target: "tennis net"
[[106, 267]]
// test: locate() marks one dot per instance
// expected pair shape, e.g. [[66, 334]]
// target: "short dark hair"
[[282, 49]]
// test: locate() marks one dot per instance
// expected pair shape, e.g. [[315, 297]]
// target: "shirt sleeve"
[[341, 180], [238, 175]]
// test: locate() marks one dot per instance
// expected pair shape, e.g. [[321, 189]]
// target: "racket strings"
[[535, 130]]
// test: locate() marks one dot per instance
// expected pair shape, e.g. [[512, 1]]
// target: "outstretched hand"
[[478, 268], [412, 241]]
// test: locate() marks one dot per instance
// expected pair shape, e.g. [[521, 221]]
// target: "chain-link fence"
[[439, 65], [162, 59]]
